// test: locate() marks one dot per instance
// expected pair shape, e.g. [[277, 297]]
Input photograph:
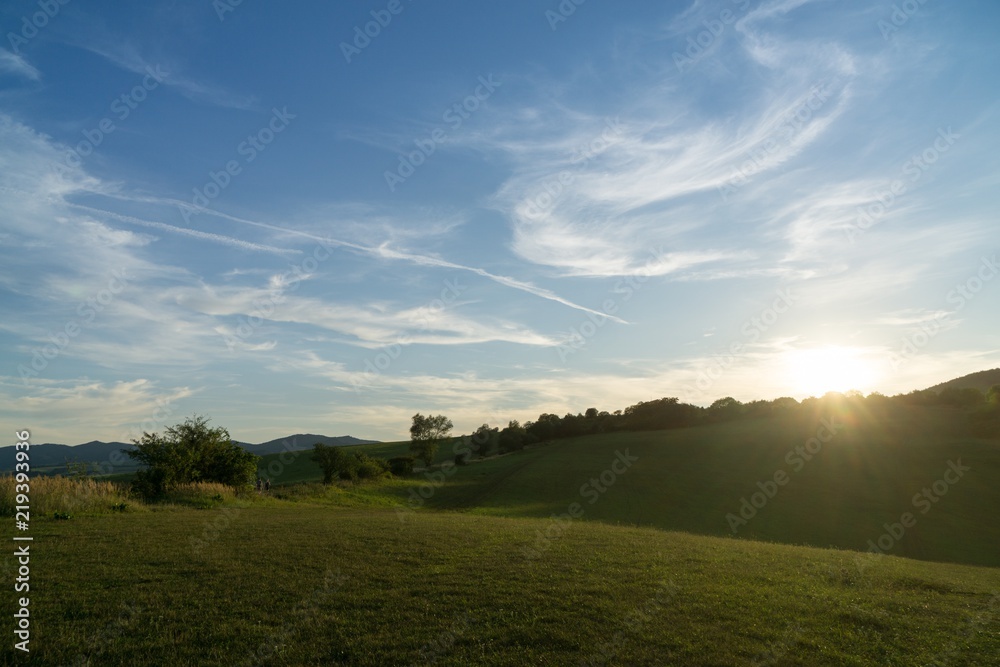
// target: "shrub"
[[334, 462], [187, 453], [401, 466], [369, 467]]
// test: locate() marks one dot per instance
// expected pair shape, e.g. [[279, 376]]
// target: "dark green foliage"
[[337, 463], [724, 409], [967, 397], [369, 467], [401, 466], [334, 462], [426, 433], [513, 438], [485, 440], [190, 452]]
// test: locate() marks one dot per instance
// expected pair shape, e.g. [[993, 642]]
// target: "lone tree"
[[190, 452], [426, 433]]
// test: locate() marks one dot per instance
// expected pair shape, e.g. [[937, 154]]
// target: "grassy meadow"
[[609, 549], [690, 479], [315, 584]]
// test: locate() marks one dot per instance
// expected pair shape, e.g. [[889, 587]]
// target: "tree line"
[[194, 452]]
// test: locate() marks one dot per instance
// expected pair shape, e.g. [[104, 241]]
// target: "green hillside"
[[608, 549], [982, 381], [310, 585], [690, 479]]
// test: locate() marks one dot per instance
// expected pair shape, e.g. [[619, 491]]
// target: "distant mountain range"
[[982, 381], [53, 457]]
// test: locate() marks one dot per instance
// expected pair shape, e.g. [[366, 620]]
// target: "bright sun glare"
[[816, 371]]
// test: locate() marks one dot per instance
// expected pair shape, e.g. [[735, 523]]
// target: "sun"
[[816, 371]]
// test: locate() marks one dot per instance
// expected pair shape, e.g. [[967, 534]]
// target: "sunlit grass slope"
[[309, 584], [865, 476]]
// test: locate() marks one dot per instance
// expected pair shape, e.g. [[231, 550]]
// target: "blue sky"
[[325, 217]]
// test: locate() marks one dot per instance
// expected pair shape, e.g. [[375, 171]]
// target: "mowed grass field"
[[313, 584], [689, 480], [466, 566]]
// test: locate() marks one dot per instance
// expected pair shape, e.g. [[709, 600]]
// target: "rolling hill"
[[874, 469], [982, 381], [52, 458], [606, 549]]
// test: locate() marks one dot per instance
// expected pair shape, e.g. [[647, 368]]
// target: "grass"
[[481, 574], [308, 584], [64, 495], [691, 479]]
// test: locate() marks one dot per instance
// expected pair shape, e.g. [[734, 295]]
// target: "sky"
[[326, 217]]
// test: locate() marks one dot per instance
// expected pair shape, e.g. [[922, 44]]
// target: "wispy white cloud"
[[384, 251], [61, 410], [663, 170], [375, 325], [194, 233], [127, 56], [13, 63]]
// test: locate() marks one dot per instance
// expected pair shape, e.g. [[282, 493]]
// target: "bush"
[[188, 453], [369, 467], [401, 466], [334, 462]]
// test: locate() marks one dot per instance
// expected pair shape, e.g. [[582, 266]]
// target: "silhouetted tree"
[[426, 433]]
